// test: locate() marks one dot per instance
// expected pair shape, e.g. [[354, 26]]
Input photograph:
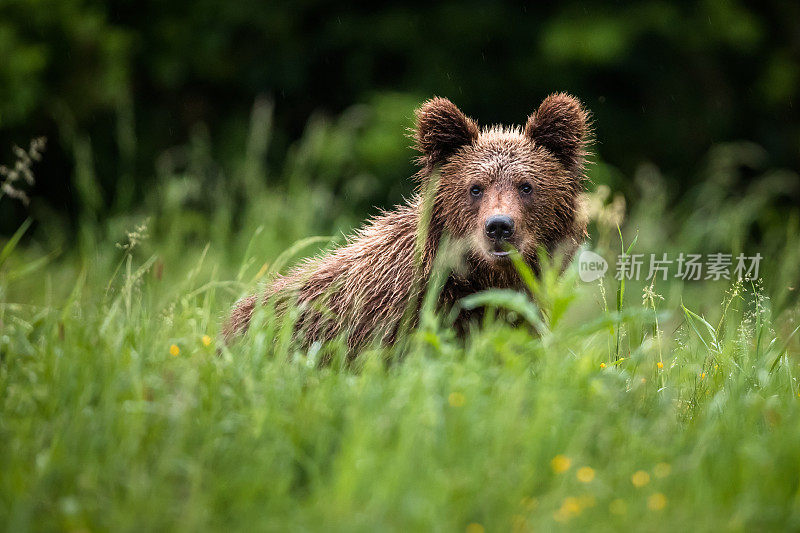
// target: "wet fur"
[[363, 288]]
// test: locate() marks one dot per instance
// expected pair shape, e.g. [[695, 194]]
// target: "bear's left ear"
[[561, 125], [441, 130]]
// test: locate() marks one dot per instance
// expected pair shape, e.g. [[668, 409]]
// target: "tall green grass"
[[673, 406]]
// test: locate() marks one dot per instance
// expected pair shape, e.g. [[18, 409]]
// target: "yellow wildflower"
[[640, 478], [456, 399], [569, 508], [174, 350], [660, 365], [602, 365], [206, 340], [585, 474], [656, 502], [560, 463], [571, 505], [474, 527]]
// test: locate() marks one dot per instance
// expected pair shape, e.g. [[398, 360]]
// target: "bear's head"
[[502, 187]]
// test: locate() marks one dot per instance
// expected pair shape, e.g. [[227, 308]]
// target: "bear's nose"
[[499, 227]]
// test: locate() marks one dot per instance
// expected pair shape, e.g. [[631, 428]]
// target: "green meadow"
[[649, 404]]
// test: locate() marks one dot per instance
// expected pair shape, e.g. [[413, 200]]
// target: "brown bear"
[[489, 188]]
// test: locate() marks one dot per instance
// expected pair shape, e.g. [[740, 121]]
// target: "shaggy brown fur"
[[533, 176]]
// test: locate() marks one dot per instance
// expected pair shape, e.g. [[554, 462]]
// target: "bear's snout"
[[499, 227]]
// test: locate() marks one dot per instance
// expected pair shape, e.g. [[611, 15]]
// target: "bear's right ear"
[[441, 130], [562, 126]]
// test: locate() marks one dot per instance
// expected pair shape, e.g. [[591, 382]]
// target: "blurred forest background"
[[117, 85]]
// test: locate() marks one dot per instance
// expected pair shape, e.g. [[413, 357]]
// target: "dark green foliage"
[[664, 80]]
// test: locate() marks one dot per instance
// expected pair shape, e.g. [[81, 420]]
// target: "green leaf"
[[30, 267], [507, 299], [782, 351], [13, 241], [691, 317]]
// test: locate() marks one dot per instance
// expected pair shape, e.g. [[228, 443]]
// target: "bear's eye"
[[526, 188], [475, 190]]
